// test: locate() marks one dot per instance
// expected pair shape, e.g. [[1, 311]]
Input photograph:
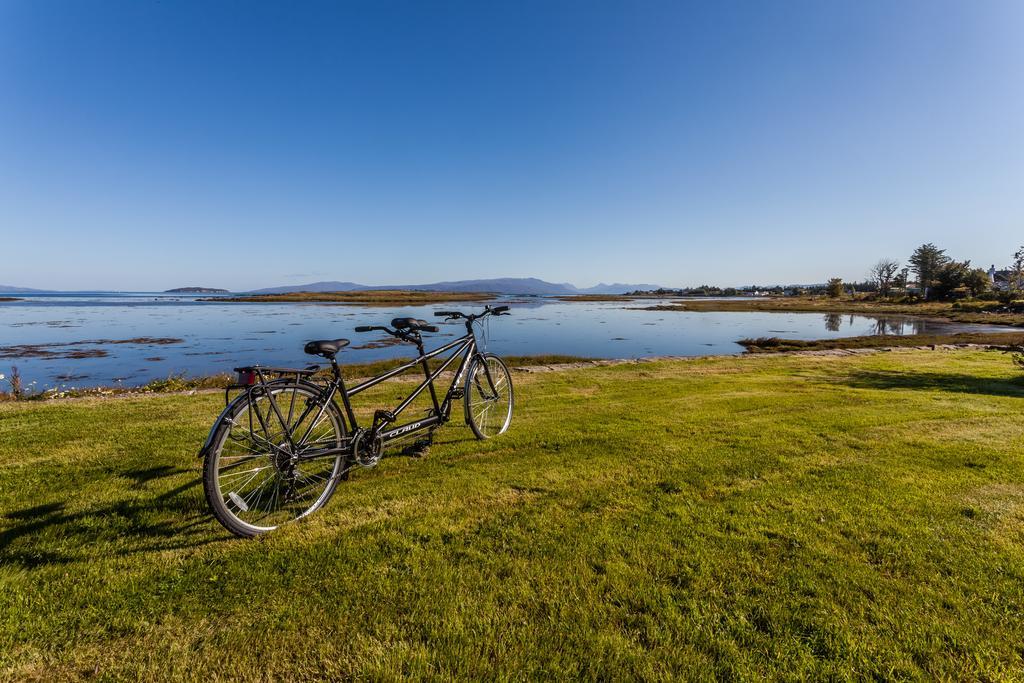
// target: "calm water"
[[216, 337]]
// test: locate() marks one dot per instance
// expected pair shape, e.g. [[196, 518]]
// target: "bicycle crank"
[[367, 448]]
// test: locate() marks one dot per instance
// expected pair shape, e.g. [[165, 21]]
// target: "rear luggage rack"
[[252, 375]]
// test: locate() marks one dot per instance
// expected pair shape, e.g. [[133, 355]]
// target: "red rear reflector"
[[246, 378]]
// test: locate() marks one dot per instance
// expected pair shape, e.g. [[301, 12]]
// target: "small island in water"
[[197, 290]]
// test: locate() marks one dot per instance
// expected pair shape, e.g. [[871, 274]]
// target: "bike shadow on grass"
[[934, 381], [53, 534]]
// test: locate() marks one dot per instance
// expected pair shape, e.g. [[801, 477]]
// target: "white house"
[[1000, 278]]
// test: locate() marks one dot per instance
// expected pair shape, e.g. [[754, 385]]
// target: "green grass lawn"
[[777, 516]]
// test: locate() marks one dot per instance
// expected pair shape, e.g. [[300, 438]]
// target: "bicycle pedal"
[[384, 417], [457, 394], [418, 449]]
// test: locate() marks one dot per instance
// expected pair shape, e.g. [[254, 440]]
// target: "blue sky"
[[148, 145]]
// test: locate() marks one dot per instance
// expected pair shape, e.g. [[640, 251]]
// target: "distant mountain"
[[314, 287], [616, 288], [7, 289], [196, 290], [505, 285]]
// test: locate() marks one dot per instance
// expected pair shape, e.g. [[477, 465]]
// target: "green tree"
[[1016, 280], [900, 281], [926, 262], [950, 277], [976, 281], [834, 288]]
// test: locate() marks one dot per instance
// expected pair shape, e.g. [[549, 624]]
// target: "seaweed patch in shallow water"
[[144, 341], [47, 323], [378, 344], [60, 350], [86, 353], [70, 377], [47, 351]]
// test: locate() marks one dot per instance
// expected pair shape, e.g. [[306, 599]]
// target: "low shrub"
[[182, 383], [17, 391], [768, 342]]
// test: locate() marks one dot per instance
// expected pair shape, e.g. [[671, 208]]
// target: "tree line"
[[938, 277]]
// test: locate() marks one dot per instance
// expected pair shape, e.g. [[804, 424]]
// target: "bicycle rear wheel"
[[252, 477], [489, 396]]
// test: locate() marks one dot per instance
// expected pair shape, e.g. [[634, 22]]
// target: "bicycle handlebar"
[[394, 333], [497, 310]]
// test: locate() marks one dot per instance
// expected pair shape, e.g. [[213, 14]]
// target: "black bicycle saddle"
[[325, 347]]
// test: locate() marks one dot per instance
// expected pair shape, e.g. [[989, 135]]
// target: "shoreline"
[[1001, 340], [177, 384], [822, 352], [543, 364], [970, 312]]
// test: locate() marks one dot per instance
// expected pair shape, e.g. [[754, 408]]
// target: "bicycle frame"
[[464, 347]]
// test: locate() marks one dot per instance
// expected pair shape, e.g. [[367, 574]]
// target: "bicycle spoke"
[[244, 472], [310, 484], [489, 398], [259, 490], [246, 483], [251, 455], [258, 468]]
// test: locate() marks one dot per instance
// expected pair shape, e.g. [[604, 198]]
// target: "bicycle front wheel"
[[488, 396], [252, 476]]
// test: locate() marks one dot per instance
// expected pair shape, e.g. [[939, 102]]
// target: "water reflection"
[[880, 326], [56, 341], [899, 326]]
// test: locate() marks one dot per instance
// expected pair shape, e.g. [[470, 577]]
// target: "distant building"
[[1000, 278]]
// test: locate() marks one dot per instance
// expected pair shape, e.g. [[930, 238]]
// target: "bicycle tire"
[[479, 398], [237, 432]]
